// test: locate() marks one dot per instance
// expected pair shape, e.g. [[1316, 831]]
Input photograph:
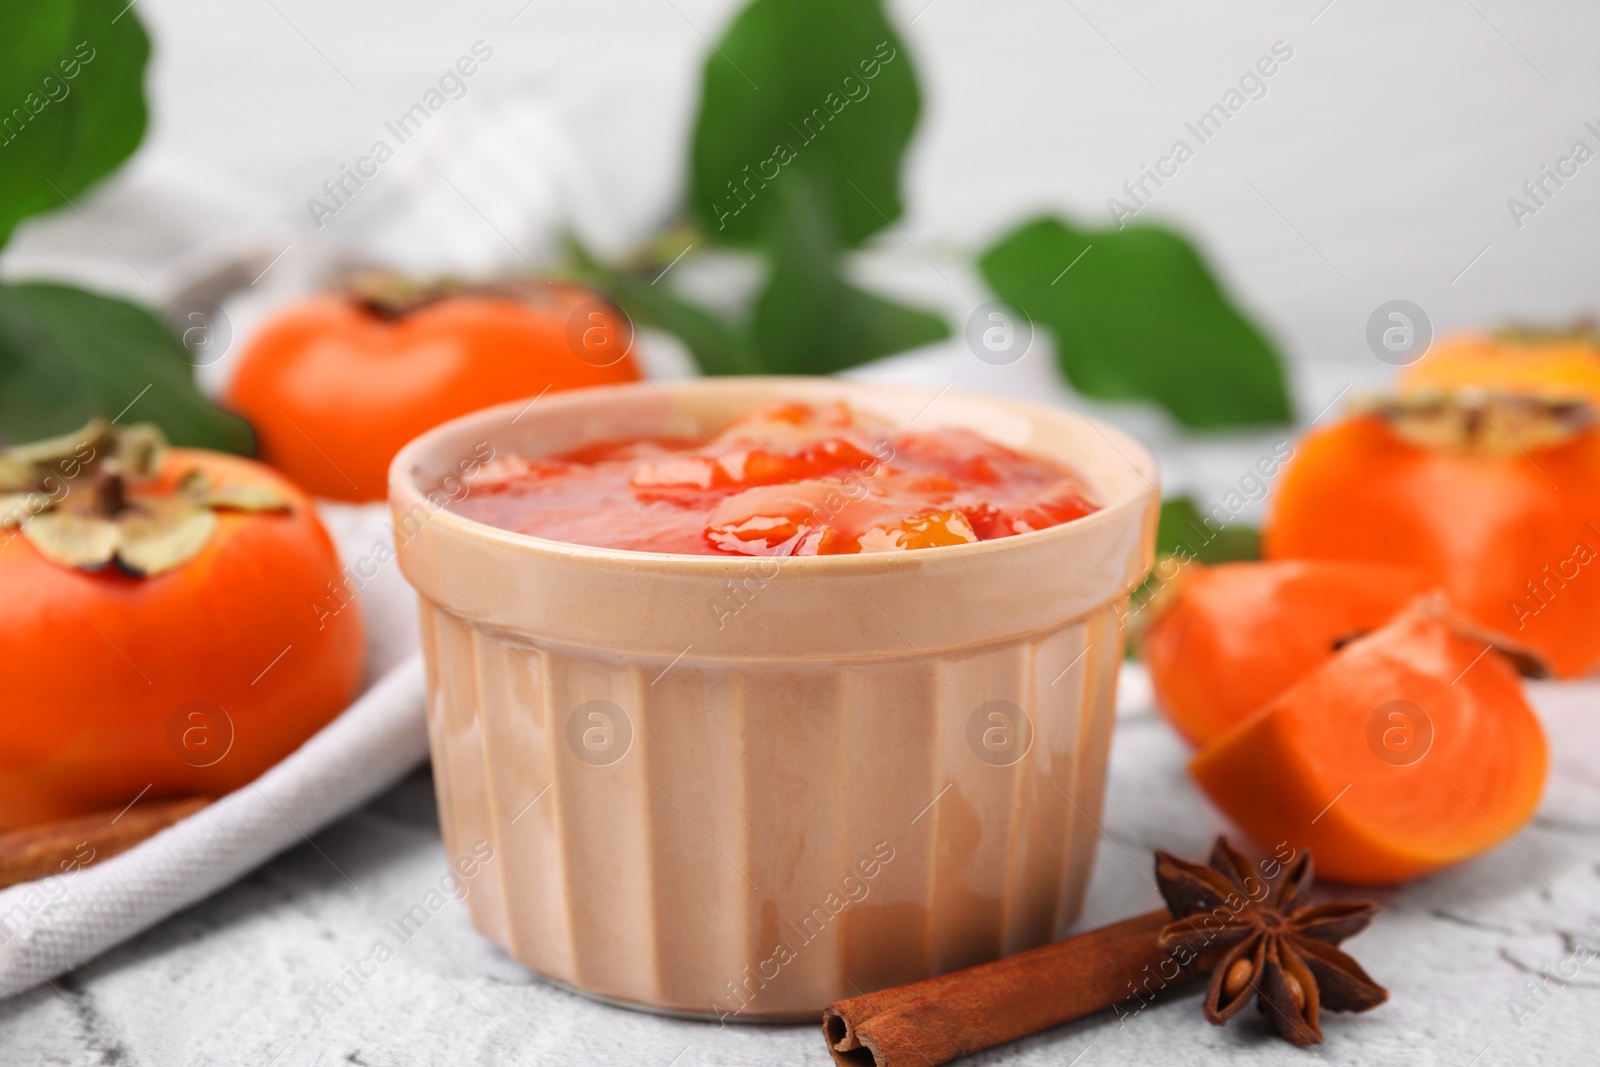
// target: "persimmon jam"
[[789, 479]]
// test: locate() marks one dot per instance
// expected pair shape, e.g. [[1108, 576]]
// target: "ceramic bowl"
[[747, 787]]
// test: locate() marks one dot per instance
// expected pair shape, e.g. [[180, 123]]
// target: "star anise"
[[1260, 936]]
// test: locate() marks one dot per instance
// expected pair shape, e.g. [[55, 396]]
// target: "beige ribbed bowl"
[[749, 787]]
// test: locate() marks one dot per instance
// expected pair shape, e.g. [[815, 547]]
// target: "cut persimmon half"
[[1411, 749], [1228, 638]]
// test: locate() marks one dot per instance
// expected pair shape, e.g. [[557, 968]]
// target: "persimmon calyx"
[[1480, 421], [87, 499], [44, 466], [1580, 331], [393, 296]]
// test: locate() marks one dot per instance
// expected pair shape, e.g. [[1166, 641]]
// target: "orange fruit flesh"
[[1382, 803], [1238, 634]]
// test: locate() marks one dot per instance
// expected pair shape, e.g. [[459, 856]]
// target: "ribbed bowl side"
[[756, 840]]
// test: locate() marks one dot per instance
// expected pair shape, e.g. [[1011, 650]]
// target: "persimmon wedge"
[[1411, 749], [1230, 637]]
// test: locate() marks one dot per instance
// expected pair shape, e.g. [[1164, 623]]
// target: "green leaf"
[[1137, 316], [807, 319], [1183, 530], [717, 347], [67, 355], [817, 87], [805, 113], [72, 81]]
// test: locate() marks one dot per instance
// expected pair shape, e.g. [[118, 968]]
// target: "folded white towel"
[[56, 923]]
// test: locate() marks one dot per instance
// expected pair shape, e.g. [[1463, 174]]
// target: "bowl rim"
[[405, 494]]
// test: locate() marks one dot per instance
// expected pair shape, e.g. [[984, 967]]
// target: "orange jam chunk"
[[789, 479], [924, 531]]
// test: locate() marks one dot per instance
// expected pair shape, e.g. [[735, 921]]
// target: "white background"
[[1381, 158]]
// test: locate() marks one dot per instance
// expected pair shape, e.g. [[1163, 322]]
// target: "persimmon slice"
[[1231, 637], [1411, 749]]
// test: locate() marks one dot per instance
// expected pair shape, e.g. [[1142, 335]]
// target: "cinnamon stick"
[[936, 1020], [57, 847]]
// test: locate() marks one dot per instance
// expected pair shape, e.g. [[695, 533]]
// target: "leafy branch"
[[806, 110], [72, 110]]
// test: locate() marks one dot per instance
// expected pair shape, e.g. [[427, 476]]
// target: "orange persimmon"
[[1230, 637], [158, 628], [1557, 364], [335, 385], [1493, 498], [1411, 749]]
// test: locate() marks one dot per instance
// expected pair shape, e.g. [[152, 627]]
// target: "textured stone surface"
[[236, 980]]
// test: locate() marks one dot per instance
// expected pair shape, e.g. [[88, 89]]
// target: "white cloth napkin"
[[52, 925], [56, 923]]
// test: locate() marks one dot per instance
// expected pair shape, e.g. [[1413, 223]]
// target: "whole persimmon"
[[336, 384], [1412, 748], [1493, 498], [160, 630], [1229, 638], [1560, 364]]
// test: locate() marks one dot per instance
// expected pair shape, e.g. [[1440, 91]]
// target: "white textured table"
[[237, 979]]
